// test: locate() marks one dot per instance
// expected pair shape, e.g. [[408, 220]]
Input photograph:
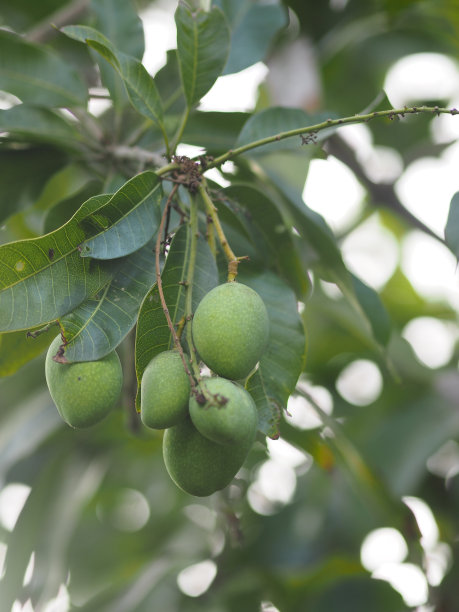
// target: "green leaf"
[[42, 279], [153, 335], [284, 357], [39, 125], [17, 348], [119, 22], [253, 27], [35, 75], [37, 164], [203, 41], [214, 131], [374, 310], [128, 220], [274, 237], [452, 225], [140, 86], [99, 324]]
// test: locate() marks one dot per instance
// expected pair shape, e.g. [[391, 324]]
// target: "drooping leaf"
[[43, 278], [153, 335], [17, 348], [36, 76], [284, 357], [140, 86], [374, 310], [127, 221], [119, 22], [98, 325], [274, 237], [39, 125], [452, 225], [203, 41], [253, 26]]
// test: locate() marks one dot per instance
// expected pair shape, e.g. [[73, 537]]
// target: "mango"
[[84, 392], [165, 391], [229, 417], [197, 465], [230, 329]]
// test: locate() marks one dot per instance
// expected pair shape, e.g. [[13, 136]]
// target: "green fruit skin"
[[165, 391], [234, 422], [230, 330], [84, 392], [197, 465]]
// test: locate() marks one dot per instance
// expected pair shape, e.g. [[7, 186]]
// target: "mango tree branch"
[[329, 123]]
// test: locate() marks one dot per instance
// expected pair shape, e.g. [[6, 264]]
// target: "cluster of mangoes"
[[211, 427]]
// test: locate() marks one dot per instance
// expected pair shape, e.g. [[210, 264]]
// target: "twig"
[[233, 260], [49, 27], [159, 284]]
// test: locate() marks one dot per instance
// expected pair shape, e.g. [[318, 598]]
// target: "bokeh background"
[[356, 506]]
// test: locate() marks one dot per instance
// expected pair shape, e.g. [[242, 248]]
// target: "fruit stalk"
[[161, 292]]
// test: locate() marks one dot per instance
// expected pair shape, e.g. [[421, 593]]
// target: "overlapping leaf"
[[39, 124], [128, 220], [17, 348], [99, 324], [253, 26], [35, 75], [284, 358], [153, 335], [43, 278], [139, 84], [203, 41]]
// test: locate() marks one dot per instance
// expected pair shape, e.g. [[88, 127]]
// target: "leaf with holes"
[[203, 41], [99, 324], [43, 278], [128, 220], [153, 334]]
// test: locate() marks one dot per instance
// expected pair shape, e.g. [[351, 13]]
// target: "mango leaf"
[[153, 335], [43, 278], [128, 220], [253, 26], [99, 324], [452, 225], [274, 237], [140, 86], [203, 41], [39, 125], [284, 357], [119, 22], [374, 310], [35, 75], [17, 348], [214, 131]]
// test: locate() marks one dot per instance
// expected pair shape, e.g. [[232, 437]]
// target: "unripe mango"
[[230, 417], [230, 329], [84, 392], [197, 465], [165, 391]]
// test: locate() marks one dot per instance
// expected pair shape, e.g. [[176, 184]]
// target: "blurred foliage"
[[102, 516]]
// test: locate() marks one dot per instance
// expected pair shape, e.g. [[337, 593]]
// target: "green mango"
[[230, 330], [84, 392], [197, 465], [165, 391], [230, 417]]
